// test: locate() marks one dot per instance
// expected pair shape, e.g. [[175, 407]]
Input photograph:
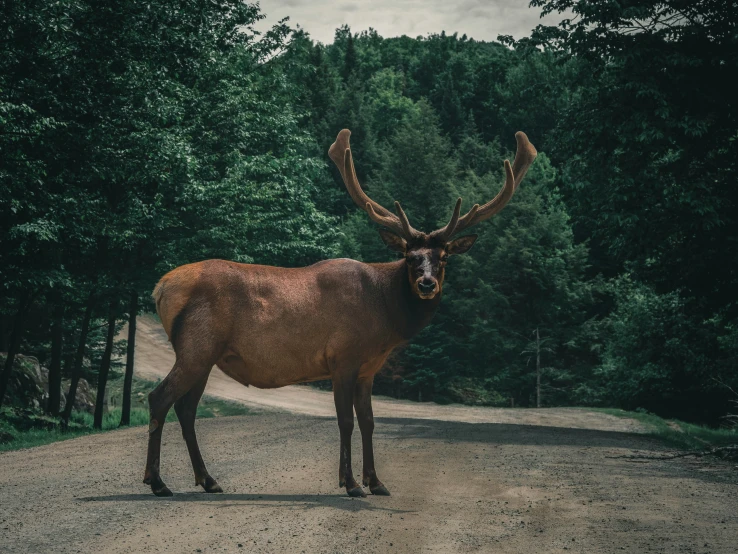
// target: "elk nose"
[[426, 286]]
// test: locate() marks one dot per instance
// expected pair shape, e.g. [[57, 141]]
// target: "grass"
[[208, 406], [685, 436], [45, 430]]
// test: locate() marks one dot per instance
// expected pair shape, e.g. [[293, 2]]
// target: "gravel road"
[[462, 480]]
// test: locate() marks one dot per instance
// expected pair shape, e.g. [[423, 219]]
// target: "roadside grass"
[[45, 430], [208, 407], [685, 436]]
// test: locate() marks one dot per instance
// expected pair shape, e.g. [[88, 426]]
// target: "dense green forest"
[[136, 137]]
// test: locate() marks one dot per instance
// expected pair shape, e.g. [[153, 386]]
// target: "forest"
[[136, 137]]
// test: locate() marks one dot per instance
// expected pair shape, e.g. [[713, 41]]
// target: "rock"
[[84, 400], [29, 387], [25, 387], [30, 366]]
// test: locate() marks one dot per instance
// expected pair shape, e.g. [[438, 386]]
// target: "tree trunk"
[[55, 373], [78, 359], [125, 418], [102, 378], [5, 327], [15, 337], [538, 369]]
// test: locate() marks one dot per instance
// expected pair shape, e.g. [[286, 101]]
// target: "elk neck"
[[407, 313]]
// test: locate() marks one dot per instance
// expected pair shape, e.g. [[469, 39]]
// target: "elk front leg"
[[363, 405], [343, 395]]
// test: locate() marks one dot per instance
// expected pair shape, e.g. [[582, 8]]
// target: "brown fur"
[[278, 326]]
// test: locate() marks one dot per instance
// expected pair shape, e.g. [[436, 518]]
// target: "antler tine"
[[447, 231], [406, 228], [493, 206], [340, 153], [378, 213], [514, 174], [524, 156], [391, 222]]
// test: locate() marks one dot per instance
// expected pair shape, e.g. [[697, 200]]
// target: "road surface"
[[462, 480]]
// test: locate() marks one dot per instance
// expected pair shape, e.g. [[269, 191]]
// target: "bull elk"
[[337, 319]]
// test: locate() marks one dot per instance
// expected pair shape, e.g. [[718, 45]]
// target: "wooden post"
[[538, 369]]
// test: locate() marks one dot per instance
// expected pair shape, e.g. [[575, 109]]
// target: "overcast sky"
[[479, 19]]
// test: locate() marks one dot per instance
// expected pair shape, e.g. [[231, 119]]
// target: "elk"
[[338, 319]]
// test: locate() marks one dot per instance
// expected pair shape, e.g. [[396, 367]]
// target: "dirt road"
[[507, 481]]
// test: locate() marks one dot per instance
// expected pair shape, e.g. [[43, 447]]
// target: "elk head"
[[426, 253]]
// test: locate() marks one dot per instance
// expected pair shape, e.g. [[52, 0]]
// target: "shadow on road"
[[299, 501], [601, 445], [508, 433]]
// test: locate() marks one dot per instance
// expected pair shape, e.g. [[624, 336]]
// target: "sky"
[[478, 19]]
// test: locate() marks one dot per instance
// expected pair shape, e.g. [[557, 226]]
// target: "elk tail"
[[157, 295]]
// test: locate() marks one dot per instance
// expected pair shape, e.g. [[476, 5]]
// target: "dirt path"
[[504, 481]]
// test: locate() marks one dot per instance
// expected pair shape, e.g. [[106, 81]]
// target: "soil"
[[462, 480]]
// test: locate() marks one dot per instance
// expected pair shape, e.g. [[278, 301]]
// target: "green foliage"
[[648, 143], [628, 184], [136, 138], [140, 138], [647, 149], [657, 357], [418, 167], [525, 272]]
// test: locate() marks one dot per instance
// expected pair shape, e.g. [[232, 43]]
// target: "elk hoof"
[[380, 490], [211, 485], [356, 492], [161, 490], [157, 486]]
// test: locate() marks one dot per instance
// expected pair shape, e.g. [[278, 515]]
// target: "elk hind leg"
[[195, 359], [186, 409]]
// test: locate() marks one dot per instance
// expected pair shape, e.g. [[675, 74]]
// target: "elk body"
[[339, 319]]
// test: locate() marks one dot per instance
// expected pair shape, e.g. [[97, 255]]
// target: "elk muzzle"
[[427, 287]]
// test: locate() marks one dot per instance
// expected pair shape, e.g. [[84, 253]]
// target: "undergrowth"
[[686, 436], [22, 428]]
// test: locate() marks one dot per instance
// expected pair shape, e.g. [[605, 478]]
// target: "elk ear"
[[461, 244], [392, 241]]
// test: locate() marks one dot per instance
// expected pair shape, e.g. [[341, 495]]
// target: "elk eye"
[[444, 257]]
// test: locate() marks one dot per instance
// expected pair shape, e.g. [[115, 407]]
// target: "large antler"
[[340, 153], [524, 157]]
